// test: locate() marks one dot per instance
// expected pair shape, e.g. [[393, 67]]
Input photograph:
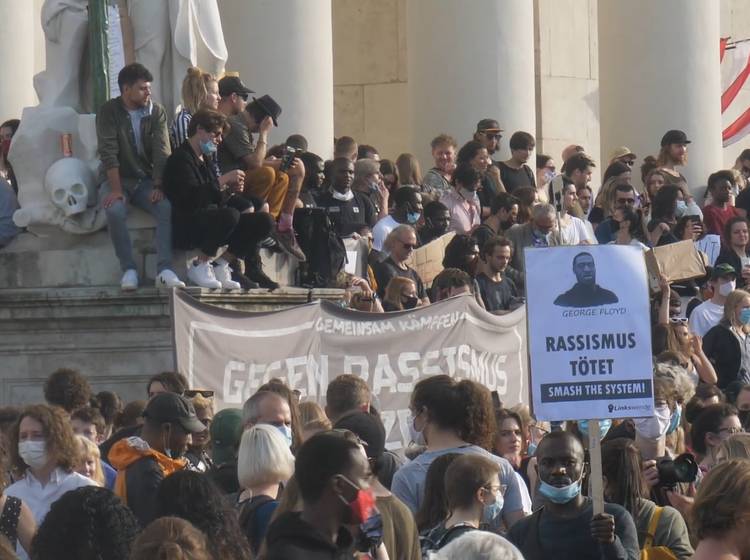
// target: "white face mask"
[[33, 453], [727, 288], [417, 436], [657, 425]]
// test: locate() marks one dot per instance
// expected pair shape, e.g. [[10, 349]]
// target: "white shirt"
[[39, 498], [381, 230], [704, 317], [576, 232]]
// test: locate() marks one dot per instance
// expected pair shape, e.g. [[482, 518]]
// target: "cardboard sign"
[[676, 261], [428, 259], [589, 332]]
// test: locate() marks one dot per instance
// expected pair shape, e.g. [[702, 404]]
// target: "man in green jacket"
[[133, 147]]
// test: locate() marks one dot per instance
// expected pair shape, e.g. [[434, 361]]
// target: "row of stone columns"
[[659, 68]]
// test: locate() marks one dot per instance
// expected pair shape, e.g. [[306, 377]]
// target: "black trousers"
[[216, 227]]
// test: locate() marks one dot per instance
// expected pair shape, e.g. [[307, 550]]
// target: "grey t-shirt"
[[408, 482]]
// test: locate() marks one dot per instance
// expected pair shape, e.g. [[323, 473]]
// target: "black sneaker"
[[238, 276], [254, 272]]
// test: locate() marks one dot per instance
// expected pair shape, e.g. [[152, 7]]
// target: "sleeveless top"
[[9, 519]]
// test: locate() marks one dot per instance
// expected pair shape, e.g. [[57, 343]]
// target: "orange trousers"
[[269, 185]]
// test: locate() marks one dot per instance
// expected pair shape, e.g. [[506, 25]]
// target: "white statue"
[[56, 190], [65, 25], [171, 35]]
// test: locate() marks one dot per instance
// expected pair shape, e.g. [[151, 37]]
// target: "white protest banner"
[[233, 353], [589, 332]]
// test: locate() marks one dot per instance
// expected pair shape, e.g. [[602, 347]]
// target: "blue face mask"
[[604, 426], [531, 449], [674, 422], [745, 316], [286, 431], [492, 511], [208, 148], [413, 217], [560, 495]]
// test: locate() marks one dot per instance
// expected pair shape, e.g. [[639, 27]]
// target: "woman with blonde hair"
[[170, 538], [409, 171], [727, 345], [736, 446], [264, 463], [721, 512], [89, 462], [200, 90], [400, 294], [690, 346], [313, 419]]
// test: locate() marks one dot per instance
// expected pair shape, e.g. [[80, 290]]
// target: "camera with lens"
[[682, 469], [288, 157]]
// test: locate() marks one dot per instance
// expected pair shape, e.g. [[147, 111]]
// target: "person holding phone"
[[735, 249]]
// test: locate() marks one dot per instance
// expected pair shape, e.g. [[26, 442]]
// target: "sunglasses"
[[205, 393], [492, 136], [678, 320]]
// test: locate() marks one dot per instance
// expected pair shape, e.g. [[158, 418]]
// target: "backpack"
[[248, 510], [324, 249], [649, 552], [439, 536]]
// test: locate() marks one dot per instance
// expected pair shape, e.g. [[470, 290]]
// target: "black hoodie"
[[292, 538]]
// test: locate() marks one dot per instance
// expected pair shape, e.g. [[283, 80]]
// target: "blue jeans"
[[138, 193]]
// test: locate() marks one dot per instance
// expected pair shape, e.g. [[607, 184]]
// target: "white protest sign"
[[589, 332]]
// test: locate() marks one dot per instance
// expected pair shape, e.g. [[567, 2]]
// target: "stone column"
[[284, 48], [468, 61], [17, 22], [659, 70]]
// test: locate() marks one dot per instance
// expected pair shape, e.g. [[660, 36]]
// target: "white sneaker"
[[129, 282], [202, 274], [223, 274], [168, 279]]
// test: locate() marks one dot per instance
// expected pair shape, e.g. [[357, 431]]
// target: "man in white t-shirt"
[[407, 209], [709, 313]]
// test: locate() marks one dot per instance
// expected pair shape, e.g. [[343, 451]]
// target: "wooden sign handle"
[[596, 481]]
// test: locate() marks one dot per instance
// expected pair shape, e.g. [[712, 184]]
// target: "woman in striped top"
[[200, 90]]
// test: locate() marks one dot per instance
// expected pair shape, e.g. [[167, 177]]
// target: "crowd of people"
[[169, 477]]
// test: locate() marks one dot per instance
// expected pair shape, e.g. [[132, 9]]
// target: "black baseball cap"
[[488, 125], [175, 409], [723, 269], [368, 428], [232, 84], [674, 137]]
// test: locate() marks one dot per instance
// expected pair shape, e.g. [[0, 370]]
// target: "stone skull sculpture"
[[70, 183]]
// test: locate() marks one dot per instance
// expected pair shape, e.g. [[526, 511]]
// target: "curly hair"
[[68, 389], [172, 381], [192, 496], [89, 523], [58, 434], [109, 405], [170, 538], [457, 251], [463, 406]]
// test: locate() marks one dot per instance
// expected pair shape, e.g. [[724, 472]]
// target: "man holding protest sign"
[[567, 527]]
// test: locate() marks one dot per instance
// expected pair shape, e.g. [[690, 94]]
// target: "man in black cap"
[[586, 292], [143, 462], [272, 180], [673, 153], [489, 134], [232, 95]]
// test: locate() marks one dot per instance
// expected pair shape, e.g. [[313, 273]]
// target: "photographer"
[[275, 181], [624, 485]]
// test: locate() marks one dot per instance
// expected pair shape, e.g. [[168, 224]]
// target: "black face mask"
[[744, 416], [409, 302], [506, 225]]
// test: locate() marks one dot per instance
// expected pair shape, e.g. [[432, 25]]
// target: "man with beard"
[[503, 215], [437, 221], [586, 292]]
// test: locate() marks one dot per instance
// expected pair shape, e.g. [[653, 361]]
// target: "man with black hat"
[[709, 313], [489, 134], [673, 153], [271, 180], [143, 462]]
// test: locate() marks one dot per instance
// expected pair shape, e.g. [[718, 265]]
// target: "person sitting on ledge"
[[201, 218]]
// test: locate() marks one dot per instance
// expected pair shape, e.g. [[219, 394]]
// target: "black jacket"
[[142, 480], [723, 350], [190, 186], [291, 538]]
